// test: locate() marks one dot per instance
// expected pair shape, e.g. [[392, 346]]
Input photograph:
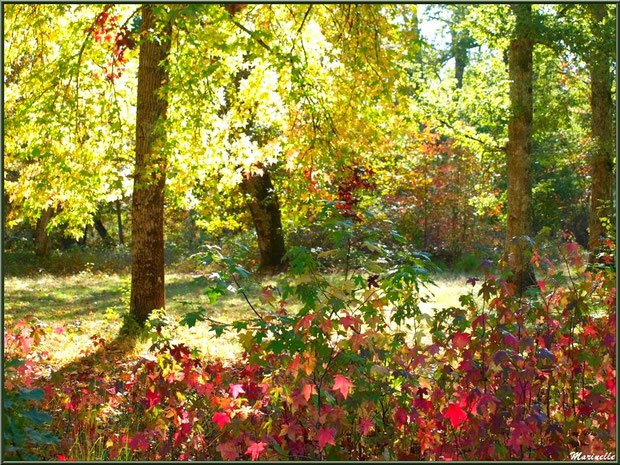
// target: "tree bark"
[[262, 202], [519, 149], [601, 163], [147, 245], [119, 221], [42, 240], [102, 231]]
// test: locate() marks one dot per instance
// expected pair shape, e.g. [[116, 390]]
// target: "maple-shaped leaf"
[[139, 442], [520, 435], [325, 436], [455, 414], [307, 390], [153, 398], [204, 389], [236, 389], [304, 322], [255, 449], [221, 419], [366, 426], [348, 321], [460, 340], [342, 384], [228, 450], [294, 366]]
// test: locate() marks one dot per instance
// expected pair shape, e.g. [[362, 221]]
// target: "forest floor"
[[77, 307]]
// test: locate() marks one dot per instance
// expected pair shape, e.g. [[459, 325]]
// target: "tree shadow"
[[97, 362]]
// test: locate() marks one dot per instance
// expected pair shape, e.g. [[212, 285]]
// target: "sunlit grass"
[[76, 307]]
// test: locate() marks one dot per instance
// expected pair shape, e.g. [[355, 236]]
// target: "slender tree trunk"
[[119, 221], [461, 43], [147, 244], [82, 241], [42, 240], [601, 164], [102, 231], [519, 148], [263, 204]]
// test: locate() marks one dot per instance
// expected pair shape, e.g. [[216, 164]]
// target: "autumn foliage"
[[354, 374]]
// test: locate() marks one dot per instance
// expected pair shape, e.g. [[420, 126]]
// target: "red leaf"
[[455, 414], [542, 285], [521, 435], [326, 436], [255, 449], [342, 384], [348, 321], [221, 419], [204, 389], [365, 426], [460, 340], [153, 398], [235, 390], [304, 322], [139, 442]]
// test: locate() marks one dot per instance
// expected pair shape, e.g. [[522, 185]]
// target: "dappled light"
[[309, 232]]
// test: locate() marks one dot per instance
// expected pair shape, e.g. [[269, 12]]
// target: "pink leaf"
[[235, 390], [255, 449]]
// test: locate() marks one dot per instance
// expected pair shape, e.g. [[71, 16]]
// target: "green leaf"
[[31, 394], [37, 416]]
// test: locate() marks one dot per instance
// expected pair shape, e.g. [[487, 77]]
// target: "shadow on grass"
[[98, 362], [45, 307]]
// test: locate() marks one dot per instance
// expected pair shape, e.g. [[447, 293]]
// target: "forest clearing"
[[309, 232]]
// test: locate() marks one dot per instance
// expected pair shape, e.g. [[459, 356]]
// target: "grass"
[[76, 307]]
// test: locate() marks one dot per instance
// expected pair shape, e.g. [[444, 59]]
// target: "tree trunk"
[[119, 221], [261, 198], [263, 204], [601, 164], [519, 149], [147, 244], [42, 240], [102, 231], [82, 240]]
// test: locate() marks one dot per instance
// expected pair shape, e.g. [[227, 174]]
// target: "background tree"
[[600, 67], [519, 148]]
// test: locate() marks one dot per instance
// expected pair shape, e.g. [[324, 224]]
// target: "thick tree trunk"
[[102, 231], [147, 245], [263, 204], [42, 240], [119, 221], [519, 149], [601, 164]]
